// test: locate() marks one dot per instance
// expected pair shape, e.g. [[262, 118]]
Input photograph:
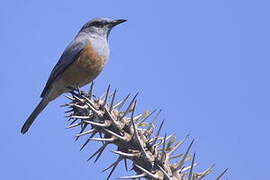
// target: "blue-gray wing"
[[70, 54]]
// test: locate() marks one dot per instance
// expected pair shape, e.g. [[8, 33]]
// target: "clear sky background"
[[205, 63]]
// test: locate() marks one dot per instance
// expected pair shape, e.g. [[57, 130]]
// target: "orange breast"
[[84, 69]]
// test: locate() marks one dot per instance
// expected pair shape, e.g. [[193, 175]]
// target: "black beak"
[[118, 21]]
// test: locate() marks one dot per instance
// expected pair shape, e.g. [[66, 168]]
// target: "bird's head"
[[101, 26]]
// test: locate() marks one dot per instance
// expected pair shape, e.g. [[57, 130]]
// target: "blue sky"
[[205, 63]]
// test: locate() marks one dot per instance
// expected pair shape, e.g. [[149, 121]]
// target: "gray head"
[[101, 26]]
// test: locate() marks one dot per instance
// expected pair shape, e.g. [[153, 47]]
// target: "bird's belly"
[[84, 70], [81, 72]]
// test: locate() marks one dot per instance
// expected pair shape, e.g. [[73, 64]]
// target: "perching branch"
[[151, 154]]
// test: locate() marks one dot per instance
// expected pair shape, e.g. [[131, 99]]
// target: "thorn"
[[115, 123], [105, 124], [126, 164], [68, 116], [113, 97], [156, 116], [150, 130], [88, 140], [136, 118], [127, 154], [190, 175], [90, 104], [78, 99], [113, 168], [100, 135], [132, 117], [164, 172], [206, 172], [73, 121], [86, 132], [103, 139], [177, 145], [73, 125], [100, 150], [114, 134], [90, 93], [70, 98], [93, 108], [79, 106], [132, 103], [147, 116], [164, 149], [77, 88], [80, 117], [121, 103], [187, 168], [176, 156], [68, 104], [162, 139], [68, 111], [147, 172], [158, 132], [120, 158], [133, 177], [82, 129], [106, 95], [219, 177], [136, 134], [172, 139], [185, 156]]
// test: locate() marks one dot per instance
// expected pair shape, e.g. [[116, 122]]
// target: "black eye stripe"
[[98, 23]]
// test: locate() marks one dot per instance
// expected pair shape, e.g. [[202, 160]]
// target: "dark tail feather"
[[33, 116]]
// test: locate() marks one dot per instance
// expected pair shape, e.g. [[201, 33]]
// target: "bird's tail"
[[43, 103]]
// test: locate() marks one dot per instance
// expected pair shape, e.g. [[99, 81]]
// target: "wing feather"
[[70, 54]]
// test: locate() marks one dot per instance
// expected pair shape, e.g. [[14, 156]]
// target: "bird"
[[80, 63]]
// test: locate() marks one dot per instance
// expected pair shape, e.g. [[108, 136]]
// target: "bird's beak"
[[118, 21]]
